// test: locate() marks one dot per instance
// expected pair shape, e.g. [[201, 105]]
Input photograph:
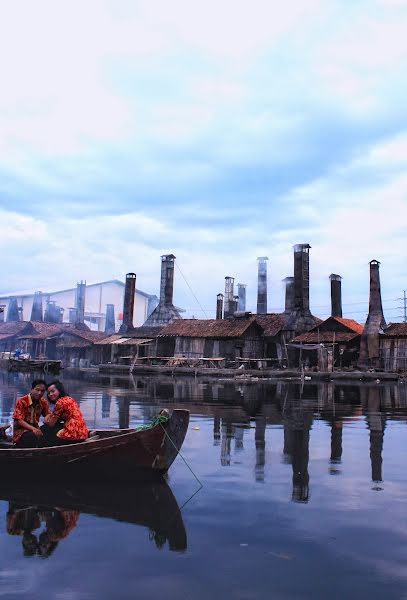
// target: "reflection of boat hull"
[[26, 365], [150, 505], [123, 454]]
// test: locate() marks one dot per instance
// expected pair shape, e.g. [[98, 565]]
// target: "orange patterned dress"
[[68, 411]]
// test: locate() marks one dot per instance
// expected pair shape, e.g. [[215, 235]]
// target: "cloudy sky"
[[219, 131]]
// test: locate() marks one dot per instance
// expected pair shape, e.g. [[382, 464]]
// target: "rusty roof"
[[209, 328], [271, 323], [350, 324], [396, 330], [12, 329], [322, 337], [39, 330]]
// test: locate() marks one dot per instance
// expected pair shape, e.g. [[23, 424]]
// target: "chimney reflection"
[[297, 425], [376, 422], [216, 430], [226, 438], [260, 442], [239, 431]]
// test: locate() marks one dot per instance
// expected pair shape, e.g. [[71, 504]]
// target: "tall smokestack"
[[167, 279], [375, 322], [80, 303], [289, 294], [109, 323], [228, 306], [219, 307], [262, 286], [128, 303], [301, 277], [36, 311], [336, 295], [12, 312], [165, 312], [241, 292]]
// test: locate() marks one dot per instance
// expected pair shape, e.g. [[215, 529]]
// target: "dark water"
[[304, 496]]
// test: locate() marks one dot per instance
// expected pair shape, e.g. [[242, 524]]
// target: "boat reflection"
[[45, 516]]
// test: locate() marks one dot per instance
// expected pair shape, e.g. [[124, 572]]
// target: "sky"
[[218, 131]]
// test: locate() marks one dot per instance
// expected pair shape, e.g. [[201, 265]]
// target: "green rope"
[[158, 420]]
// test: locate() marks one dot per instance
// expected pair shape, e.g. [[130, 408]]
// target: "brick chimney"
[[80, 303], [219, 307], [128, 303], [36, 311], [262, 286], [375, 322], [241, 292], [336, 295], [229, 293]]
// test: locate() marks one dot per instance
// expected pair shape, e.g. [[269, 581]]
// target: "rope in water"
[[169, 437]]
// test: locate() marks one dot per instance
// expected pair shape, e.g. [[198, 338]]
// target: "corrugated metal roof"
[[396, 330], [208, 328]]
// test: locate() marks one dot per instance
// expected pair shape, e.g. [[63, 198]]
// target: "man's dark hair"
[[60, 387], [39, 382]]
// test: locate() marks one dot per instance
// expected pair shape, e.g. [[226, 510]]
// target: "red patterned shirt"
[[30, 412], [68, 411]]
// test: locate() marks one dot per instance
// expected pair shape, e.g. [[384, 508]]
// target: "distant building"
[[97, 297]]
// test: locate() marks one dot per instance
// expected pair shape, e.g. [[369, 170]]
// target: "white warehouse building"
[[97, 296]]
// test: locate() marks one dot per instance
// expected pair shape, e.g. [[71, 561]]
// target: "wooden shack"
[[139, 342], [274, 337], [212, 338], [393, 348], [341, 336]]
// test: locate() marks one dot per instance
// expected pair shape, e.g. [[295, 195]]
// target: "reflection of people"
[[66, 423], [27, 411], [23, 521]]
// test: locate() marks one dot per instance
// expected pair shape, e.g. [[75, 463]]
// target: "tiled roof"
[[313, 337], [350, 323], [271, 323], [39, 330], [396, 330], [90, 336], [14, 328], [208, 328]]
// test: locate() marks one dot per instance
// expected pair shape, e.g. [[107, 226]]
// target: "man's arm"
[[25, 425]]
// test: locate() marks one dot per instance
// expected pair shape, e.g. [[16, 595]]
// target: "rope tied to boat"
[[160, 419]]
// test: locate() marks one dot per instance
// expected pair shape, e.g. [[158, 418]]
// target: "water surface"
[[304, 496]]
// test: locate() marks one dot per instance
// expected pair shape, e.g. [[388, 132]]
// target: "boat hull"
[[122, 455]]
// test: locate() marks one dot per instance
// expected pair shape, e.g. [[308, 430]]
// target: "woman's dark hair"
[[60, 387]]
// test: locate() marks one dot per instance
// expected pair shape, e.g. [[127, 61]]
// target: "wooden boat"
[[34, 364], [150, 505], [117, 454]]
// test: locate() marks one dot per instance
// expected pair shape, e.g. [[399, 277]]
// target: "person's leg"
[[49, 435], [27, 440]]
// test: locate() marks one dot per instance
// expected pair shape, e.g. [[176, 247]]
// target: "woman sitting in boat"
[[66, 423]]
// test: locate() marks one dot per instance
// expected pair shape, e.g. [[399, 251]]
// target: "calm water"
[[304, 496]]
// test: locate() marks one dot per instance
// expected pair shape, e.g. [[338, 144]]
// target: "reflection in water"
[[239, 411], [23, 521], [57, 510]]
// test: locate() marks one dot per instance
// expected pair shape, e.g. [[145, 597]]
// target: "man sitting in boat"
[[27, 412], [66, 423]]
